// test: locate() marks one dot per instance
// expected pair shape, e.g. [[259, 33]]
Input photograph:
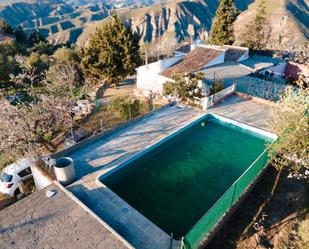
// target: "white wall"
[[278, 70], [40, 177], [148, 78]]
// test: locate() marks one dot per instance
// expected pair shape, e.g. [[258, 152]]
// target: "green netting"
[[214, 215]]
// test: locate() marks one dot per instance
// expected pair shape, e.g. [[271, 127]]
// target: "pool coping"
[[96, 177]]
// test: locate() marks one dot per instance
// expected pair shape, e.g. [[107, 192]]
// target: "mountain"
[[172, 21], [60, 20], [287, 22]]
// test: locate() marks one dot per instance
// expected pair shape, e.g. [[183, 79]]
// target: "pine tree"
[[222, 31], [254, 36], [20, 35], [5, 28], [112, 53]]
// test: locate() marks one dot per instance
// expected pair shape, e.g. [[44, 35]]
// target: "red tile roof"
[[193, 61], [5, 37]]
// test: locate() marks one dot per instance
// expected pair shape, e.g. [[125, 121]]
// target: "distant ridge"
[[173, 21]]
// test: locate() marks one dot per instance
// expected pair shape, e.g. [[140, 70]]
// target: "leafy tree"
[[112, 53], [126, 107], [65, 55], [11, 48], [216, 86], [41, 62], [30, 74], [184, 86], [35, 37], [66, 71], [42, 47], [222, 31], [5, 28], [291, 124], [8, 65], [255, 35]]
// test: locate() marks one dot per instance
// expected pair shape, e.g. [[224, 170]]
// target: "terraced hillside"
[[74, 20], [53, 16]]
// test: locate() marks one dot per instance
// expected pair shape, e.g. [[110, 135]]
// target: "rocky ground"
[[285, 209]]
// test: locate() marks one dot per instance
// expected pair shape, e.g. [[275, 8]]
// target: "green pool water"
[[175, 184]]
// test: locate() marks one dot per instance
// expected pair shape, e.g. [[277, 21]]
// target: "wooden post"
[[101, 124]]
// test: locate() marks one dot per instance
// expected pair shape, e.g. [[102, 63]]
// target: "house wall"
[[148, 78], [278, 70]]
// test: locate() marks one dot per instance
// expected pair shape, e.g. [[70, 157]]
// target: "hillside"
[[74, 20], [172, 22], [288, 23], [64, 18]]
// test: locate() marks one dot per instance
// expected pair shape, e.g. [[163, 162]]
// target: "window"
[[5, 177], [25, 172]]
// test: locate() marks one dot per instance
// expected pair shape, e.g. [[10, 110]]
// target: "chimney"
[[193, 45]]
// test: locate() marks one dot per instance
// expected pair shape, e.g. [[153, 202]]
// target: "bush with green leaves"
[[126, 107], [216, 86], [184, 86], [65, 55]]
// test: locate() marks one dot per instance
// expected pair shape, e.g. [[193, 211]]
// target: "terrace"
[[107, 152]]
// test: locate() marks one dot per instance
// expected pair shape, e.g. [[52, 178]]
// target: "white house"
[[187, 59]]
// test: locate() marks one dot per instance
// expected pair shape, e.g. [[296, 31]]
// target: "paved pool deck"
[[110, 151], [244, 111]]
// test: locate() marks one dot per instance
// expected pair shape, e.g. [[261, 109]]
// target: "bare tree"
[[29, 75], [29, 128]]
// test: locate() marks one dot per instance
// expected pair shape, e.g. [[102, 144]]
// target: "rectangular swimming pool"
[[175, 183]]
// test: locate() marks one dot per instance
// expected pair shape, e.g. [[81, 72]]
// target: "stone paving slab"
[[244, 111]]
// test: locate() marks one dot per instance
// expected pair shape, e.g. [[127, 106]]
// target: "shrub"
[[217, 86], [126, 107], [184, 87]]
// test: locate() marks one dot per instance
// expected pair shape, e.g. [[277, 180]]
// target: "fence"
[[257, 87], [208, 222], [217, 97]]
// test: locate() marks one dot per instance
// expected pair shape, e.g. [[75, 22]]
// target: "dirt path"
[[126, 87], [286, 217]]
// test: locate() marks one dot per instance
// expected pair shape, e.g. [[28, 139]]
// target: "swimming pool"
[[176, 182]]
